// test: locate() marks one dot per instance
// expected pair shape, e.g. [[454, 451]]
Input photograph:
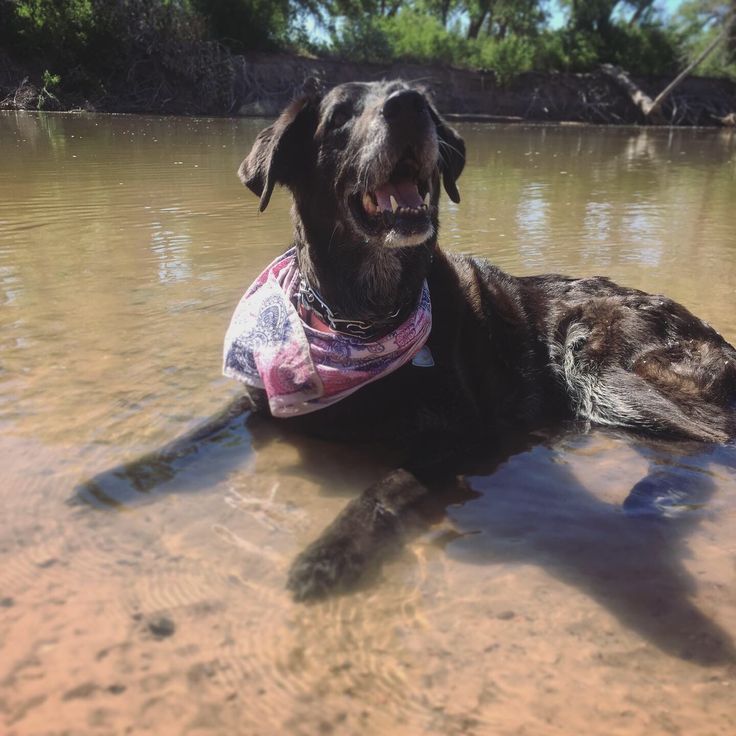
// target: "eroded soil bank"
[[260, 85]]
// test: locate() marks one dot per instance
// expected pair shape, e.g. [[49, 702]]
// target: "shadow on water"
[[527, 507], [205, 455], [628, 558], [219, 442]]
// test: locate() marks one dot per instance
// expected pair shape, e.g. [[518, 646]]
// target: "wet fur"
[[510, 353]]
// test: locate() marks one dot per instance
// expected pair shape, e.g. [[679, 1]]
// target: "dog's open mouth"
[[400, 204]]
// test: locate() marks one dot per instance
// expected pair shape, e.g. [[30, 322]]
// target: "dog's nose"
[[406, 103]]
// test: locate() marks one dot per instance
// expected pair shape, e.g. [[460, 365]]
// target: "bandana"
[[302, 369]]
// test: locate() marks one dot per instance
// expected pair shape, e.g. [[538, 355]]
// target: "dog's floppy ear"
[[452, 154], [279, 154]]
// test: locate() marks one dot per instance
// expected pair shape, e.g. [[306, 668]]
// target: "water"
[[537, 607]]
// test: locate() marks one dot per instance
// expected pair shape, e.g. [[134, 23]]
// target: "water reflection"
[[533, 224]]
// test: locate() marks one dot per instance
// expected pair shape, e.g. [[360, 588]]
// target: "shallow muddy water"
[[537, 607]]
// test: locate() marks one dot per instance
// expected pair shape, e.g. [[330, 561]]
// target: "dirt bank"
[[260, 85]]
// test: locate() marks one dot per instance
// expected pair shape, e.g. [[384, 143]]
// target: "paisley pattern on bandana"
[[268, 346]]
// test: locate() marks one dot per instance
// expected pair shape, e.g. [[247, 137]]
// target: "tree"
[[598, 15], [440, 9], [500, 18], [246, 24]]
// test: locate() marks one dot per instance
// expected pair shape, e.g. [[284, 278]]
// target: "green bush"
[[413, 36], [507, 57], [566, 50], [420, 37], [56, 30], [640, 50], [246, 24], [648, 49], [50, 81], [363, 40]]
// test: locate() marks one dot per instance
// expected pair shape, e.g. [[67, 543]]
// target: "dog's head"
[[363, 162]]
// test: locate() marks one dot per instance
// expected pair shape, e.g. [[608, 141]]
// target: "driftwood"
[[640, 98], [722, 36], [652, 108]]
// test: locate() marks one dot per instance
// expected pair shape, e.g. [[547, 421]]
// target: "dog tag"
[[423, 359]]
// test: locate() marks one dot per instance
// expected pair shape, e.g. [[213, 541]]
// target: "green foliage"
[[646, 49], [419, 37], [565, 50], [246, 24], [507, 56], [45, 96], [363, 40], [56, 29], [50, 81], [698, 22], [63, 30], [95, 42], [413, 36], [719, 64], [639, 49], [501, 18]]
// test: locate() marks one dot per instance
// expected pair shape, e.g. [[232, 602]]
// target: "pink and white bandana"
[[302, 369]]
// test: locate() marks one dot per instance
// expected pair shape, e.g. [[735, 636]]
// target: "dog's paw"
[[325, 567], [366, 530]]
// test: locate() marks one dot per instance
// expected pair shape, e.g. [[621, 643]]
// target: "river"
[[535, 608]]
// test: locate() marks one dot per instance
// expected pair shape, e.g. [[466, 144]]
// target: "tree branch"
[[660, 98]]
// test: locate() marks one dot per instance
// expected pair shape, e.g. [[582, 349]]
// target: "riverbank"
[[261, 84]]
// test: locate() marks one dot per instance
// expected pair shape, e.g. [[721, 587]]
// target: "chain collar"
[[309, 298]]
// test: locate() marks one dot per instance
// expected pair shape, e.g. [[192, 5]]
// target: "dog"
[[448, 352], [365, 164]]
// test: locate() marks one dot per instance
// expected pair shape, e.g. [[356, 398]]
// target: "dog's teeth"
[[426, 198], [368, 205], [394, 203]]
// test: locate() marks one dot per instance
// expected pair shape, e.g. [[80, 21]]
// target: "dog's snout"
[[406, 104]]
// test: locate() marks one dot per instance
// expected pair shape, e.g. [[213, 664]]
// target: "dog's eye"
[[340, 117]]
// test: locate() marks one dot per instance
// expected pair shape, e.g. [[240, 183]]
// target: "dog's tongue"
[[405, 193]]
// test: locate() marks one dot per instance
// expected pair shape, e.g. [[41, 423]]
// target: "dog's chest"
[[396, 405]]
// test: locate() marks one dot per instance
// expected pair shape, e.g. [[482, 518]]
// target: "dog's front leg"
[[366, 529], [124, 483], [380, 520]]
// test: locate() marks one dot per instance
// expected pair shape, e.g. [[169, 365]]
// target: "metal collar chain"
[[309, 298]]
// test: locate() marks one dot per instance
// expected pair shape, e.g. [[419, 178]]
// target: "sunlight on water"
[[536, 607]]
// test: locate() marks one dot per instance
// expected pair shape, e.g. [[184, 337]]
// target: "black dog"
[[508, 352], [364, 164]]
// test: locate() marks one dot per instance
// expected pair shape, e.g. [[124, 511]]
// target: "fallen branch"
[[722, 36], [727, 120], [640, 98], [652, 108]]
